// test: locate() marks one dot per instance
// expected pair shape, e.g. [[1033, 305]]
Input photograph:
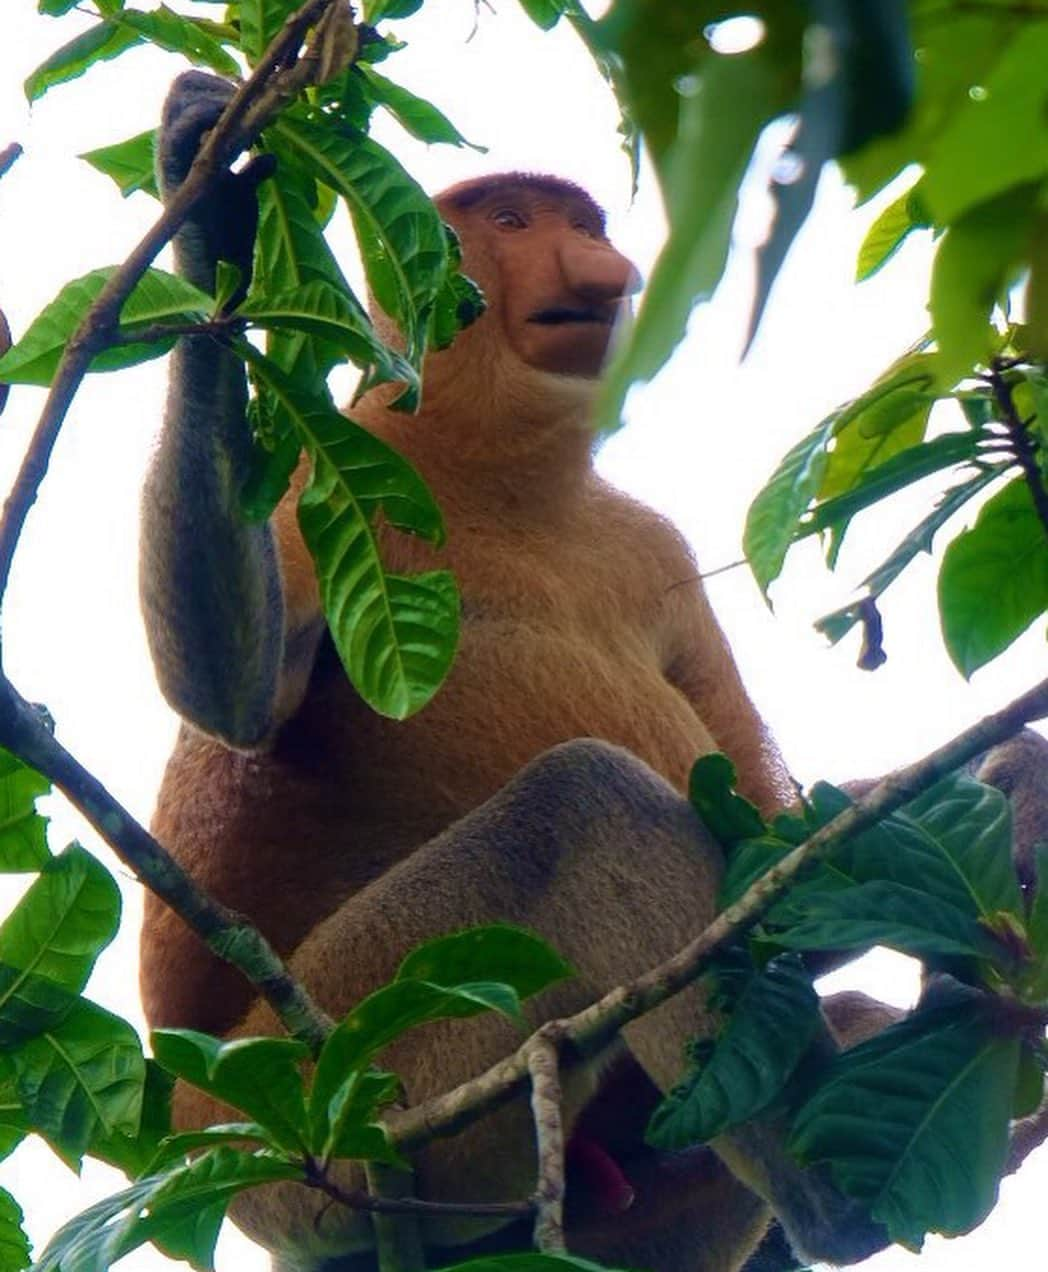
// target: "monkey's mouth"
[[563, 315]]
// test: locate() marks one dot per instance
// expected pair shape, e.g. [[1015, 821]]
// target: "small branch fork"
[[1020, 442]]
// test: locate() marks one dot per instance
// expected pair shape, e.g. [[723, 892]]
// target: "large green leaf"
[[169, 30], [82, 1078], [396, 634], [99, 43], [64, 921], [725, 814], [135, 1153], [915, 1122], [994, 579], [260, 20], [495, 952], [180, 1211], [158, 298], [261, 1076], [769, 1029], [351, 1128], [14, 1244], [13, 1124], [29, 1005], [972, 268], [23, 832], [414, 114], [130, 163], [401, 236]]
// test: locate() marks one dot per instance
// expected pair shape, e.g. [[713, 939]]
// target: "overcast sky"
[[699, 443]]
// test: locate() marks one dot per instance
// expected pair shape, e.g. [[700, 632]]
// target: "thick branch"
[[262, 95], [543, 1061], [594, 1027], [24, 732]]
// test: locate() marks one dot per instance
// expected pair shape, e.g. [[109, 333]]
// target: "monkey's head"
[[555, 286]]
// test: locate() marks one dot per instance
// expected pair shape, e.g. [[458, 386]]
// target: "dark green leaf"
[[400, 233], [82, 1078], [262, 1076], [158, 297], [29, 1005], [64, 921], [169, 30], [352, 1129], [134, 1154], [14, 1244], [1029, 1085], [726, 815], [97, 44], [396, 634], [55, 8], [915, 1122], [1037, 925], [994, 579], [23, 832], [130, 163], [497, 952], [176, 1148], [415, 115], [544, 13], [769, 1030], [972, 268], [377, 10], [774, 515], [880, 913], [13, 1124]]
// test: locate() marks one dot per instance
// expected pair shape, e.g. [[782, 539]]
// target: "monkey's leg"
[[591, 849]]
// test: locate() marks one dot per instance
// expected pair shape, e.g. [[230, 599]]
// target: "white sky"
[[699, 443]]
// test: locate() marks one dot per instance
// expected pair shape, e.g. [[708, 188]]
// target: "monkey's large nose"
[[596, 271]]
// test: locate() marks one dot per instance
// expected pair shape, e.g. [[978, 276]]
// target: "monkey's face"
[[554, 283]]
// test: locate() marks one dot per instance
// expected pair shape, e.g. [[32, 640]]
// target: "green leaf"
[[497, 952], [99, 43], [64, 921], [769, 1030], [401, 235], [774, 515], [396, 634], [915, 1122], [81, 1078], [1037, 924], [180, 1211], [135, 1153], [29, 1005], [993, 582], [419, 118], [702, 172], [260, 20], [158, 297], [1003, 124], [890, 230], [972, 268], [262, 1076], [377, 10], [352, 1129], [13, 1125], [23, 832], [893, 423], [880, 913], [544, 13], [726, 815], [169, 30], [14, 1244], [325, 311], [176, 1148], [55, 8], [130, 163]]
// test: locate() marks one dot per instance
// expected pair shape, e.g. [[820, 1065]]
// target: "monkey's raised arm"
[[210, 582]]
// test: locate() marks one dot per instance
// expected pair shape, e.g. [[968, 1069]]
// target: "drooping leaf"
[[61, 925], [495, 952], [396, 634], [418, 117], [726, 814], [130, 163], [890, 230], [15, 1251], [23, 832], [135, 1153], [972, 268], [769, 1029], [157, 298], [169, 30], [915, 1122], [993, 582], [261, 1076], [400, 233], [99, 43], [82, 1078]]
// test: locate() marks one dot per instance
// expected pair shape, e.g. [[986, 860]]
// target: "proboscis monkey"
[[542, 786]]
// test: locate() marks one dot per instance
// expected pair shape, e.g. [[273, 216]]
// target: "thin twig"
[[543, 1063], [24, 732], [361, 1199], [262, 95], [1021, 443], [594, 1027]]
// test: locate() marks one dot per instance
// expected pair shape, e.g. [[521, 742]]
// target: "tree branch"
[[24, 732], [1020, 443], [261, 95], [595, 1026], [543, 1062], [1028, 1134]]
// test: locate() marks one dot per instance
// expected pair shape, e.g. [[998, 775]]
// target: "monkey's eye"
[[509, 219]]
